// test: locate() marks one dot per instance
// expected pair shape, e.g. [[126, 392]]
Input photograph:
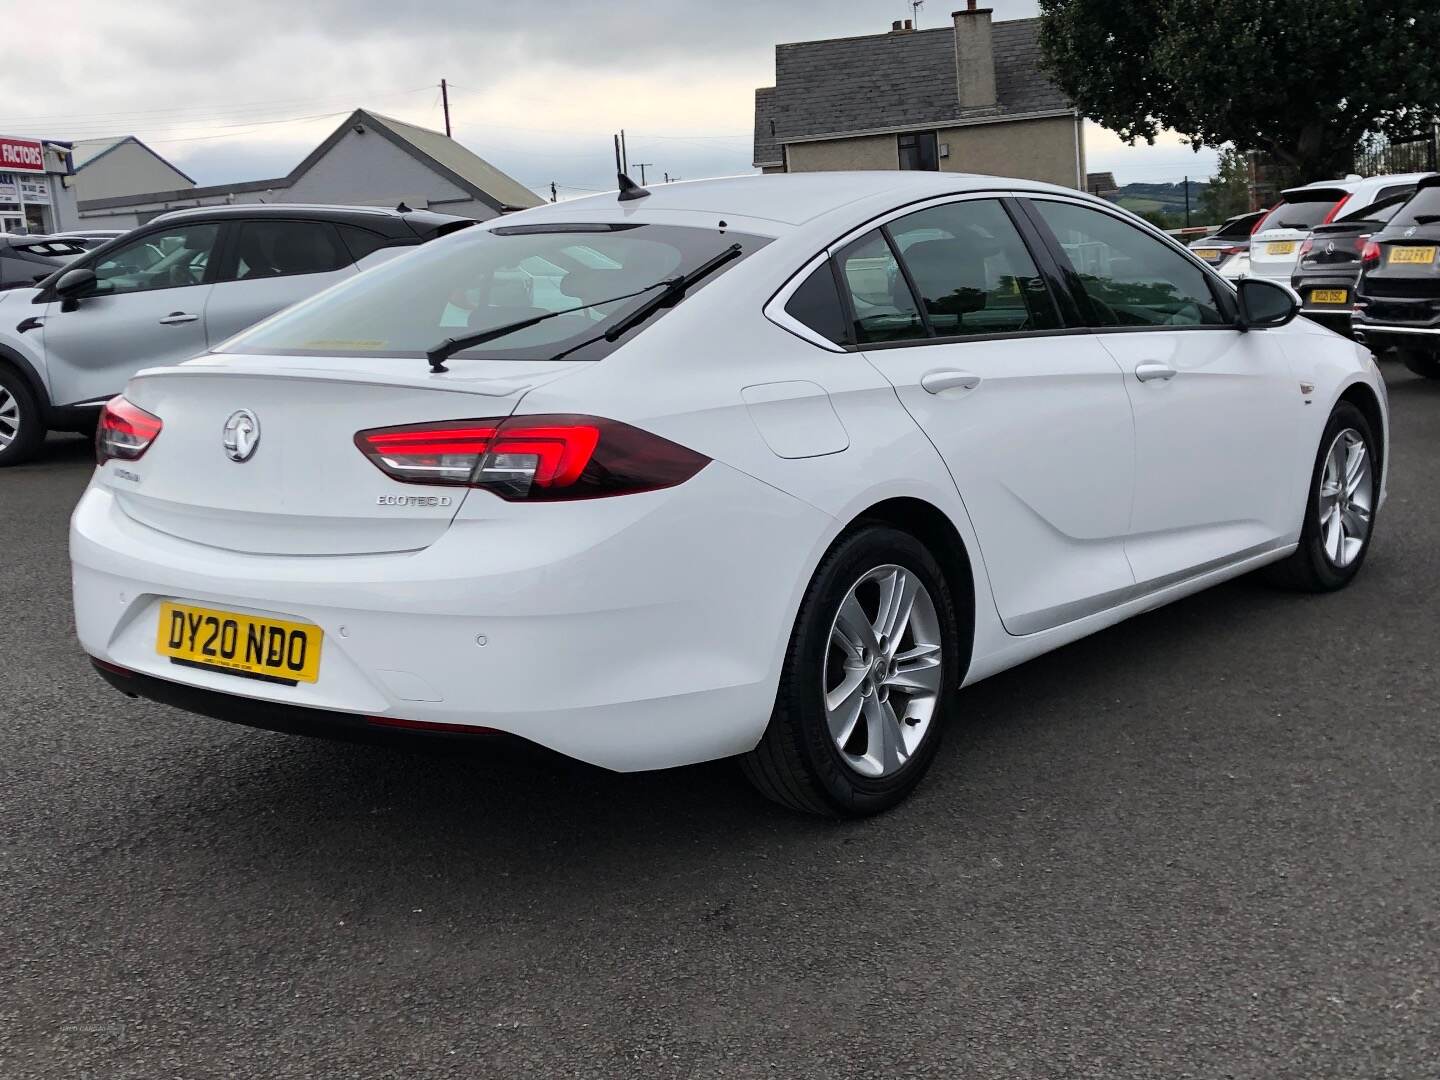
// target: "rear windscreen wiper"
[[674, 289], [1426, 219], [438, 354]]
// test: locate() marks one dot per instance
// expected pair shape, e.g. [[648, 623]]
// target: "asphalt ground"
[[1205, 843]]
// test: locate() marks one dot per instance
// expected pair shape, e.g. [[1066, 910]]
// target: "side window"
[[816, 304], [973, 271], [279, 248], [361, 242], [884, 306], [169, 259], [1131, 278]]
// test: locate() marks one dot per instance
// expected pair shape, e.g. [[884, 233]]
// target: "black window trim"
[[1014, 201], [1220, 292]]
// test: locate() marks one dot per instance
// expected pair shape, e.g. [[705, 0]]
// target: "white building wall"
[[128, 169], [370, 170]]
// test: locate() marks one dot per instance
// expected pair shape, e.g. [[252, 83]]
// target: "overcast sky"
[[242, 90]]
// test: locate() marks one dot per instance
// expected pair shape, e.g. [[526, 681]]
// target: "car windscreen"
[[482, 279], [1303, 214], [1422, 209]]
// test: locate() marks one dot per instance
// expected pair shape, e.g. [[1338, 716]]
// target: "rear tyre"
[[21, 431], [1340, 509], [869, 675], [1422, 363]]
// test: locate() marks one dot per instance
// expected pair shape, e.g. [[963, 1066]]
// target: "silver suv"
[[170, 290]]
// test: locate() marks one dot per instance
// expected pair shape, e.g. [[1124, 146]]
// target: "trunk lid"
[[306, 489]]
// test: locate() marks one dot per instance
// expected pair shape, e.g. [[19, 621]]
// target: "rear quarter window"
[[816, 304]]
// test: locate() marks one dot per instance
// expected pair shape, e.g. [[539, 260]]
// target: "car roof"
[[786, 199], [371, 216]]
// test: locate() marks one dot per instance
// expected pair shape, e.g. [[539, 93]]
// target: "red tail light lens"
[[1361, 242], [125, 432], [1306, 248], [1370, 255], [532, 458]]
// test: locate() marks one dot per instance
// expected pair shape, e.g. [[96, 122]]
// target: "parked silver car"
[[168, 291]]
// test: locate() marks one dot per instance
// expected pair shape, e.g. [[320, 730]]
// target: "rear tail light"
[[1335, 210], [531, 458], [1370, 255], [1306, 248], [1361, 242], [125, 431]]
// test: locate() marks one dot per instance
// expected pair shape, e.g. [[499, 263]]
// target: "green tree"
[[1228, 192], [1302, 80]]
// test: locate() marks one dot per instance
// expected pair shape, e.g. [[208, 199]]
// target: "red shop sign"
[[21, 155]]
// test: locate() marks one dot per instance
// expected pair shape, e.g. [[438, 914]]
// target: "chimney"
[[974, 58]]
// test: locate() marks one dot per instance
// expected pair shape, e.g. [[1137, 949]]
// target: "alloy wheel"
[[882, 672], [9, 418], [1347, 498]]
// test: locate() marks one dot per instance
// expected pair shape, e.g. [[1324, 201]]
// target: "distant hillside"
[[1164, 198]]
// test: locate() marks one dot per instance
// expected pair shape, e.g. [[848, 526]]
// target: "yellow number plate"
[[244, 644], [1414, 255], [1280, 247], [1210, 254], [1329, 296]]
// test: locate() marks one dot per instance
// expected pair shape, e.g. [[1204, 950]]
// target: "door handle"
[[175, 318], [937, 382], [1153, 369]]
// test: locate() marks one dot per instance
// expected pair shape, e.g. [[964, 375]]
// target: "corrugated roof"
[[883, 81], [470, 166]]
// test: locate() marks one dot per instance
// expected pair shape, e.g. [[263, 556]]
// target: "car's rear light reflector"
[[1370, 255], [531, 458], [125, 431], [402, 724]]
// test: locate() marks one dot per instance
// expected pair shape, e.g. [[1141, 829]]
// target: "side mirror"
[[75, 283], [1265, 304]]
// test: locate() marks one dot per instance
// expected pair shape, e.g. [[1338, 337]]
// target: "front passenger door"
[[1216, 409], [147, 309], [269, 265]]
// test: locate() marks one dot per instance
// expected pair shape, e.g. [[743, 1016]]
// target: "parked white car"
[[169, 290], [779, 465], [1275, 246]]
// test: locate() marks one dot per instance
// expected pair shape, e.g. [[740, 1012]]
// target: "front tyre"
[[1340, 510], [870, 670], [21, 431]]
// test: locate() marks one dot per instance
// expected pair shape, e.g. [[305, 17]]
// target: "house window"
[[919, 150]]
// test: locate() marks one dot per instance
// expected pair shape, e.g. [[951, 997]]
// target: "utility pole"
[[1187, 202], [642, 166], [445, 99]]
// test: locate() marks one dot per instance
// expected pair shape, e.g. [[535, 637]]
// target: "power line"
[[194, 113]]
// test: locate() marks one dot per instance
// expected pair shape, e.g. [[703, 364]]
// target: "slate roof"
[[885, 82]]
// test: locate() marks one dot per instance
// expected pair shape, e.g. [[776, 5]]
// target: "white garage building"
[[369, 160]]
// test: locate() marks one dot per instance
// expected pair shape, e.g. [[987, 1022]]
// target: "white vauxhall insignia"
[[767, 467]]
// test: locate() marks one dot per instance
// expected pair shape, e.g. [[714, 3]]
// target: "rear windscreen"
[[1425, 205], [1298, 215], [589, 277]]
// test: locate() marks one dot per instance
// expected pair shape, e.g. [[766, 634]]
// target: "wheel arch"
[[11, 360], [933, 528], [1364, 398]]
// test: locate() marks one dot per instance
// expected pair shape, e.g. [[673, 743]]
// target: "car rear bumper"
[[1305, 284], [632, 637]]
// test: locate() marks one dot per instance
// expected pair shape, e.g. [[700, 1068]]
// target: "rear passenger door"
[[269, 264], [1216, 409], [1029, 413]]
